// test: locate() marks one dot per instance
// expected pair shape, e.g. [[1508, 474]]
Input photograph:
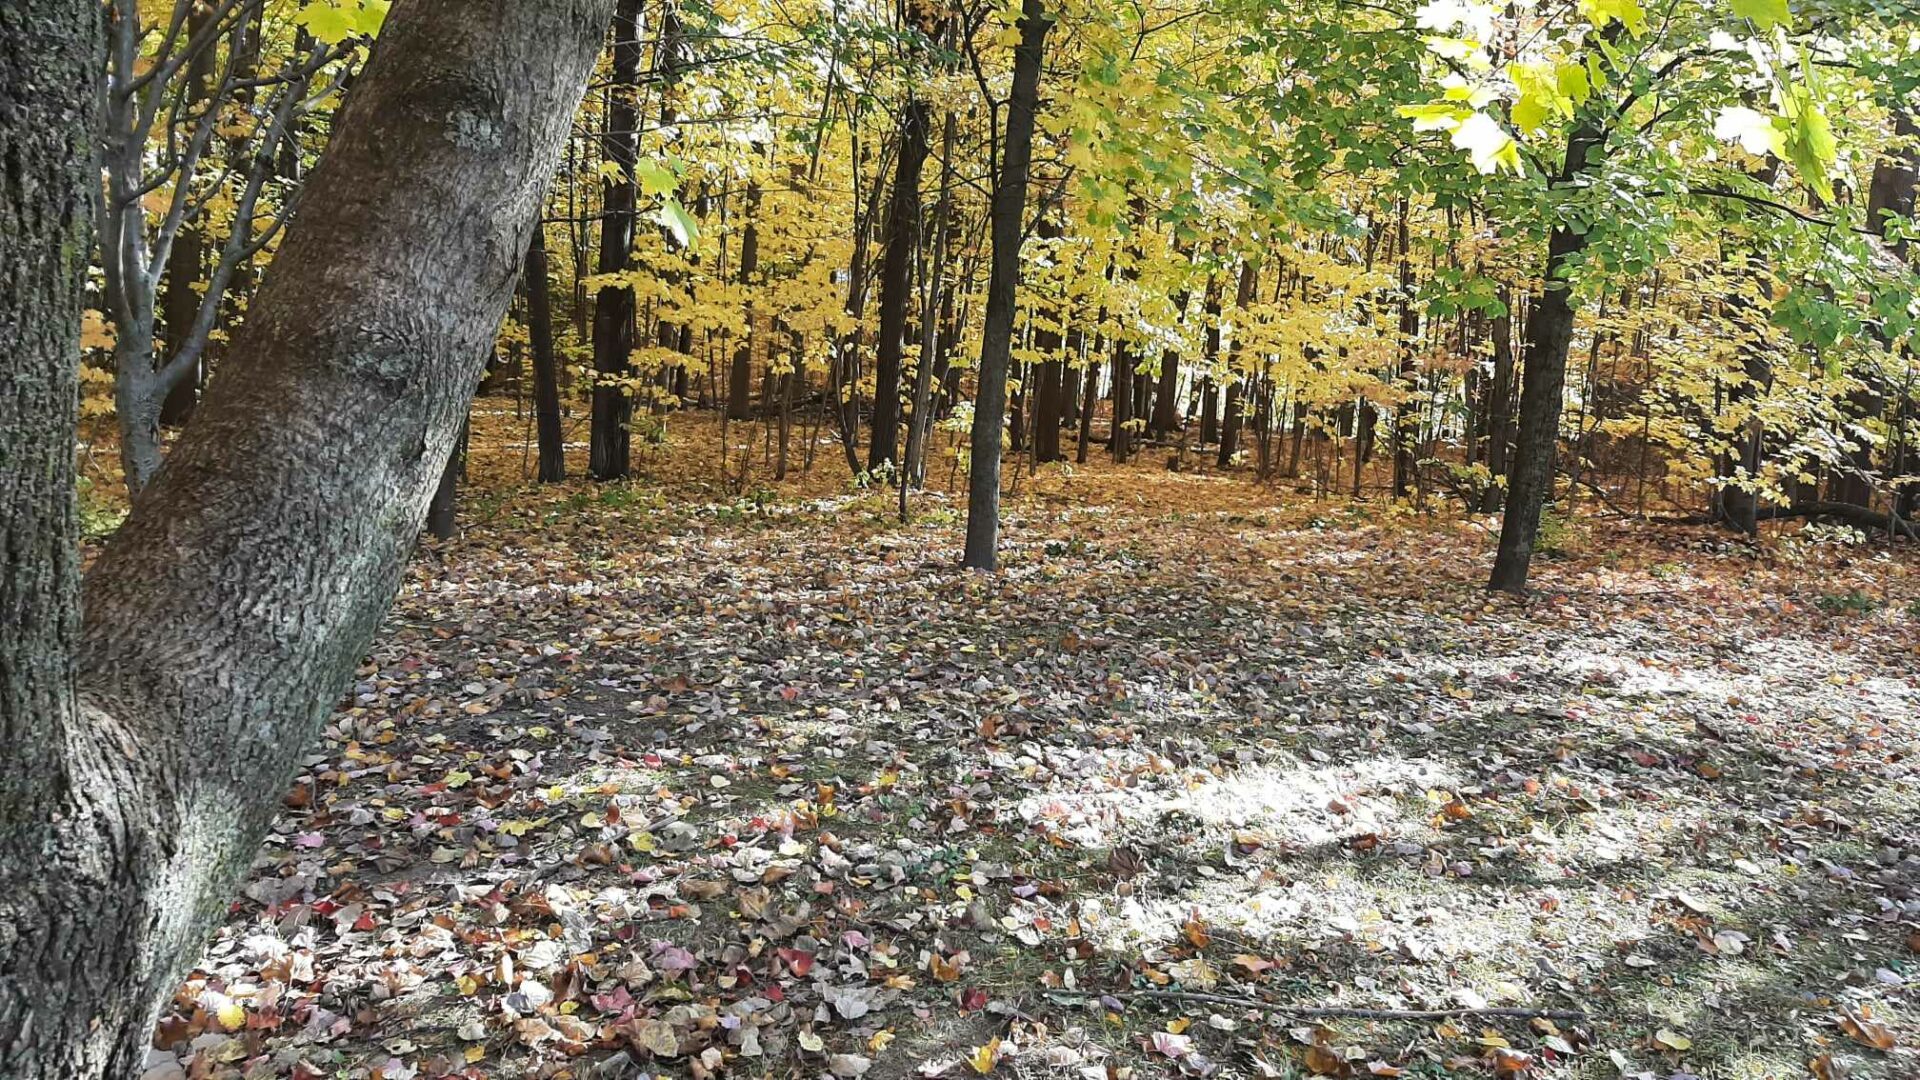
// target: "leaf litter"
[[636, 787]]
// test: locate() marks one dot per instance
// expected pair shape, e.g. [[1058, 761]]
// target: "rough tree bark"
[[142, 755], [1003, 282], [610, 441]]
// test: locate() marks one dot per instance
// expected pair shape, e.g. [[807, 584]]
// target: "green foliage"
[[1851, 602]]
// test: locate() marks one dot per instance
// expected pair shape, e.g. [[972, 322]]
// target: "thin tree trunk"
[[919, 423], [141, 763], [1003, 282], [1230, 424], [546, 385], [1543, 385], [740, 374], [180, 304]]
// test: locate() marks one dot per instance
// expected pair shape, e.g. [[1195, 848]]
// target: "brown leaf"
[[1865, 1029]]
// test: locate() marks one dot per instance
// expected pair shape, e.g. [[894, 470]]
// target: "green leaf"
[[328, 24], [1810, 144], [1764, 14], [655, 177], [677, 221]]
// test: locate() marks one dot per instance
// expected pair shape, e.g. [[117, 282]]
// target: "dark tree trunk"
[[140, 764], [180, 305], [1166, 394], [740, 374], [546, 384], [896, 285], [932, 341], [1543, 382], [1404, 433], [610, 448], [1089, 402], [1210, 404], [1121, 377], [443, 509], [1070, 383], [1230, 424], [1046, 430], [1006, 220], [1298, 436], [1048, 407], [1017, 409]]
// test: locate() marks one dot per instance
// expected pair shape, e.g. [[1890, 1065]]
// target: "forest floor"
[[652, 779]]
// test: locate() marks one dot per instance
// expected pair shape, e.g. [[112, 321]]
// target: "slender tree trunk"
[[740, 373], [1089, 402], [1230, 424], [896, 285], [1543, 384], [546, 385], [1500, 404], [1404, 433], [180, 304], [1046, 343], [1003, 282], [921, 419], [611, 437], [141, 762], [1549, 334]]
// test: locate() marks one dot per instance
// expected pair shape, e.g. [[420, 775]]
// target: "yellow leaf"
[[1669, 1039], [984, 1058]]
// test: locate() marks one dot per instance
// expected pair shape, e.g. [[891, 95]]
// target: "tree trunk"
[[1543, 383], [139, 767], [1500, 404], [58, 884], [1404, 434], [896, 285], [1230, 424], [920, 420], [610, 442], [1003, 282], [740, 375], [443, 509], [180, 303], [546, 385], [1089, 401]]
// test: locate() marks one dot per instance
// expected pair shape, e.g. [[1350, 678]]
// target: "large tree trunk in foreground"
[[140, 766], [610, 439], [1003, 282], [49, 61]]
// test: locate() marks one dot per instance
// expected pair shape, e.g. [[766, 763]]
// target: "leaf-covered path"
[[771, 788]]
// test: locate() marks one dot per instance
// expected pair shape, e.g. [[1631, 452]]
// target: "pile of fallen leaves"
[[1209, 781]]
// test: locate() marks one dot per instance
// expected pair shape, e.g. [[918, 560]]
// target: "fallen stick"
[[1307, 1011]]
